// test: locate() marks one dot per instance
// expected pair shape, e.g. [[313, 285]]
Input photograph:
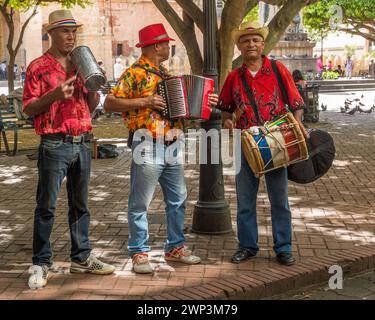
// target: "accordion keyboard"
[[176, 98]]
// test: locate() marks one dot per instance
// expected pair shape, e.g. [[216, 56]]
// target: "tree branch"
[[191, 45], [185, 31], [4, 12], [195, 13], [275, 2], [172, 17], [368, 36], [24, 27]]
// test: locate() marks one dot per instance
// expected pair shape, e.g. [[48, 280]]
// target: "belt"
[[85, 137]]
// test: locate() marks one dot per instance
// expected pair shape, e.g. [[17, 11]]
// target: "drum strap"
[[284, 93], [251, 98]]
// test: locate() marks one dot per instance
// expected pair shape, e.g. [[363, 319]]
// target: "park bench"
[[103, 93], [12, 119]]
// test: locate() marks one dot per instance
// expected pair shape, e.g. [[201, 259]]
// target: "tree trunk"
[[12, 59], [8, 14], [192, 46], [232, 16]]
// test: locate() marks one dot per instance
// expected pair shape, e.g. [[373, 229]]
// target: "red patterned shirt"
[[266, 92], [70, 116]]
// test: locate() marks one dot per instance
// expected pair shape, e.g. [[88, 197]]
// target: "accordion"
[[186, 97]]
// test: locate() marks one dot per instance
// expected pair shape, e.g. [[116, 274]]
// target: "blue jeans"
[[144, 178], [247, 190], [57, 160]]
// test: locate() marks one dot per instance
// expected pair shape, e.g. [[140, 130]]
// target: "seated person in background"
[[339, 71], [300, 83]]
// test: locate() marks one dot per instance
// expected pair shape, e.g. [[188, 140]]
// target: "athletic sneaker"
[[91, 265]]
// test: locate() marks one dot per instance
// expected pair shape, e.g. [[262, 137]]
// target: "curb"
[[279, 279]]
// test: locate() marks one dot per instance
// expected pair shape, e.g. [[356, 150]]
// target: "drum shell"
[[87, 68], [254, 156]]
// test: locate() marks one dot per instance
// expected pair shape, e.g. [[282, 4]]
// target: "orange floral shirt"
[[139, 81]]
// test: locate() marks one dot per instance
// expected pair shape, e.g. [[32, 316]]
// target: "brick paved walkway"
[[331, 215], [360, 287]]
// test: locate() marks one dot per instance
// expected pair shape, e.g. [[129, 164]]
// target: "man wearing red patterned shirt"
[[258, 73], [61, 105]]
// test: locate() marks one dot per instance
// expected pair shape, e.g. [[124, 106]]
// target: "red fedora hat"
[[152, 34]]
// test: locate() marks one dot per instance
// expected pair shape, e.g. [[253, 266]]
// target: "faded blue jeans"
[[247, 191], [57, 160], [154, 168]]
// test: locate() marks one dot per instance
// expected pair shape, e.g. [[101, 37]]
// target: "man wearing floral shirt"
[[135, 96], [61, 106]]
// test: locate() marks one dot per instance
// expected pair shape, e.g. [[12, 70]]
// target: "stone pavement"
[[330, 216], [360, 287]]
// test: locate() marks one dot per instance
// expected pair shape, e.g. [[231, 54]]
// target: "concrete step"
[[345, 85]]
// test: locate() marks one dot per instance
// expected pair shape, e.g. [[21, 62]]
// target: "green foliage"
[[330, 75], [26, 4], [322, 17], [253, 15], [316, 20]]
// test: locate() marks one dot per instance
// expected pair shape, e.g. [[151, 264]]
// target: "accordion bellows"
[[186, 97]]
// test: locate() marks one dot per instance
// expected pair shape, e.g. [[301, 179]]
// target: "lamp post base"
[[212, 218]]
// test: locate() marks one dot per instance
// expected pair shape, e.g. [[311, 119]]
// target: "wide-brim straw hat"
[[59, 19], [249, 28]]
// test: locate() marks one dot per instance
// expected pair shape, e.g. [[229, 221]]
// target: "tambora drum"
[[276, 144]]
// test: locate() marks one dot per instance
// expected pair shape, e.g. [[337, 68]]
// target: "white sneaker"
[[38, 276], [141, 263], [182, 254], [92, 265]]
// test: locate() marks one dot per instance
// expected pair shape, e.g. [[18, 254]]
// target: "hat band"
[[156, 38], [63, 22]]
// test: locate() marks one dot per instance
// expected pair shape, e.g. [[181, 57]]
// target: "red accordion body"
[[187, 96]]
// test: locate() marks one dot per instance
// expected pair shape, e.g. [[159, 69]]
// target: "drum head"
[[321, 155]]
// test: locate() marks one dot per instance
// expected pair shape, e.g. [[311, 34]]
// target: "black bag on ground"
[[321, 155], [106, 151]]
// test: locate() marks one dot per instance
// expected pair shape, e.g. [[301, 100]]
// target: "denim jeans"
[[144, 178], [57, 160], [247, 190]]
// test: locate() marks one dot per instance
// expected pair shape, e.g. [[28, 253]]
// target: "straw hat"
[[249, 28], [61, 18]]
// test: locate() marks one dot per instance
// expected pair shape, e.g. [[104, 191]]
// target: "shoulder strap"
[[251, 98], [160, 74], [284, 93]]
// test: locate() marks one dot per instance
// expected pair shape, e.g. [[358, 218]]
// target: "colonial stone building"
[[110, 30]]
